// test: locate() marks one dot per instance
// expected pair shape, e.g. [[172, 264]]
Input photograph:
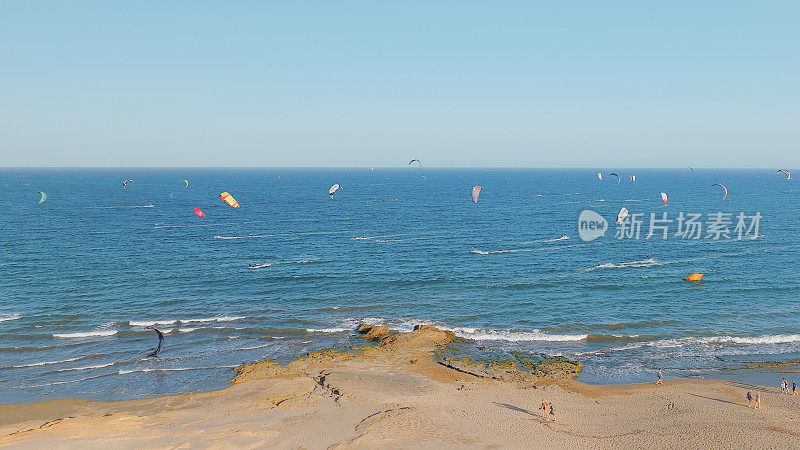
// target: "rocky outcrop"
[[373, 332], [532, 373], [258, 371]]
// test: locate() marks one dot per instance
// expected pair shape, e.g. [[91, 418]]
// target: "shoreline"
[[398, 390]]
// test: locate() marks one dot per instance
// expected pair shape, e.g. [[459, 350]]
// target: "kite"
[[333, 189], [787, 173], [476, 191], [43, 196], [199, 212], [160, 340], [612, 173], [723, 187], [599, 176], [694, 277], [187, 182], [126, 181], [418, 162], [623, 213], [664, 197], [228, 198]]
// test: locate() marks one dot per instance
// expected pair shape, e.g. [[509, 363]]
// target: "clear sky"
[[376, 83]]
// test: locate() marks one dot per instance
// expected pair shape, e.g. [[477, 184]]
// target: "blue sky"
[[370, 83]]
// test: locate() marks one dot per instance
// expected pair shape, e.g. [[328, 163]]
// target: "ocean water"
[[86, 272]]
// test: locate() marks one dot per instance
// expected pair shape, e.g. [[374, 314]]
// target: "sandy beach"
[[397, 392]]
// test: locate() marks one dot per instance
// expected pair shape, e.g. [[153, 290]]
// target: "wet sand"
[[396, 392]]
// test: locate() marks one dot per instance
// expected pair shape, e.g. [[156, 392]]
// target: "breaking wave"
[[98, 333], [150, 323], [9, 316]]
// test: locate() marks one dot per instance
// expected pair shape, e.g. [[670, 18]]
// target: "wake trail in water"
[[258, 236], [523, 250]]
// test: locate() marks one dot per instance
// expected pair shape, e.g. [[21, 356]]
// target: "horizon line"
[[389, 167]]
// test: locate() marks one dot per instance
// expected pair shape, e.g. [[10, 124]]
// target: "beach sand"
[[396, 392]]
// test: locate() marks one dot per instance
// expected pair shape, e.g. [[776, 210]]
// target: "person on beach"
[[749, 399], [552, 412], [544, 409], [660, 377], [758, 400], [794, 387], [783, 386]]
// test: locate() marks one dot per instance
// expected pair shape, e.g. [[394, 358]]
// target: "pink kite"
[[476, 191]]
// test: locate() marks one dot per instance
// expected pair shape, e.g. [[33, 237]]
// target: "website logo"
[[591, 225]]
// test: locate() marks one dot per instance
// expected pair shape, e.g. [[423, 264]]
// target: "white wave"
[[150, 323], [255, 347], [328, 330], [84, 334], [641, 263], [477, 334], [47, 363], [9, 316], [213, 319], [766, 339], [97, 366], [259, 266], [515, 336], [684, 342], [172, 369], [65, 381]]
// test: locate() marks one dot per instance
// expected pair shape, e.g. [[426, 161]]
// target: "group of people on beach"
[[785, 387], [753, 402]]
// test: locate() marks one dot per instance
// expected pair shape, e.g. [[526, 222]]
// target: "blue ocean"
[[90, 269]]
